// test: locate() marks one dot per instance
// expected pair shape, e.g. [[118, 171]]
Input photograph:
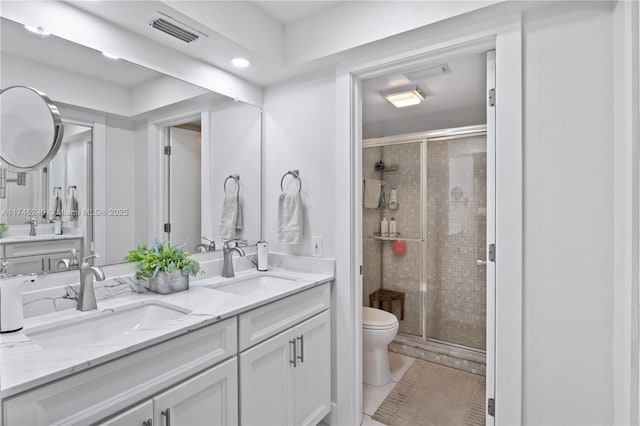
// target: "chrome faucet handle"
[[85, 263], [237, 241], [4, 266]]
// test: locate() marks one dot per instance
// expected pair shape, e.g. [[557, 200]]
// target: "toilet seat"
[[377, 319]]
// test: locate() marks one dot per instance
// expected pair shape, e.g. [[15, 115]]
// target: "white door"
[[266, 382], [312, 375], [491, 238], [208, 399], [140, 415], [184, 193]]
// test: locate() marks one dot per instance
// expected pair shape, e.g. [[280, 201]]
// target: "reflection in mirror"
[[118, 119]]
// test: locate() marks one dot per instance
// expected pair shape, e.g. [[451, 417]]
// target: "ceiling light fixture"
[[37, 30], [110, 56], [240, 62], [405, 96]]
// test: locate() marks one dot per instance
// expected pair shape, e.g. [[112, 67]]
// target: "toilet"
[[378, 330]]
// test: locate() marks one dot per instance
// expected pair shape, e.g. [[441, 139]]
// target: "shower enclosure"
[[440, 184]]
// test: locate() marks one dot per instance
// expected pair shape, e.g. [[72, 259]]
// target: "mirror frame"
[[57, 137]]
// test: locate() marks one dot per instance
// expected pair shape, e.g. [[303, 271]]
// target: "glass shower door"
[[456, 197]]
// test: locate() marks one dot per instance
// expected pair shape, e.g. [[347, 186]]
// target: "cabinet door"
[[313, 372], [210, 398], [266, 382], [140, 415], [26, 265]]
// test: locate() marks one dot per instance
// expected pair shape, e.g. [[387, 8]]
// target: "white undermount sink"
[[262, 285], [100, 326]]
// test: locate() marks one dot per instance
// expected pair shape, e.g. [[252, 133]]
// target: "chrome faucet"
[[206, 247], [87, 295], [32, 222], [4, 266], [227, 251], [70, 264]]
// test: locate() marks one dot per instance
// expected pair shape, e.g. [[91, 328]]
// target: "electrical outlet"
[[316, 246]]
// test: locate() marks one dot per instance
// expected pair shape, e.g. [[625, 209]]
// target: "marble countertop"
[[37, 238], [24, 364]]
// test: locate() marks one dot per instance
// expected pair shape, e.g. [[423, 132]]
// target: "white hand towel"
[[229, 219], [70, 209], [290, 218], [372, 188]]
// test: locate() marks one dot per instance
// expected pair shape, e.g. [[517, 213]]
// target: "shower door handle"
[[481, 262]]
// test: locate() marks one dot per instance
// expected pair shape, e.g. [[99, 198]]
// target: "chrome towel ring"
[[235, 178], [296, 175]]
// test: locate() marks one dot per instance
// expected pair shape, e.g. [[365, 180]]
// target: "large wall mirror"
[[145, 157]]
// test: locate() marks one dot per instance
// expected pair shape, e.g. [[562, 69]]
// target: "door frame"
[[157, 136], [504, 36]]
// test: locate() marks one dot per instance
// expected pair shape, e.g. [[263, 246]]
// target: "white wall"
[[235, 149], [568, 220], [141, 188], [299, 133], [120, 192]]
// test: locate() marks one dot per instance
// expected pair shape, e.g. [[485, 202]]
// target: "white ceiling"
[[446, 95], [287, 12], [15, 40]]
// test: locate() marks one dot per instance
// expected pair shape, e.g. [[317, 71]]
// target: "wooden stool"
[[388, 296]]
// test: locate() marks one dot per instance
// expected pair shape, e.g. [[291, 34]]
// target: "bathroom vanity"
[[226, 351]]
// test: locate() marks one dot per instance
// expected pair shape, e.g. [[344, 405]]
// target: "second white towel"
[[290, 218]]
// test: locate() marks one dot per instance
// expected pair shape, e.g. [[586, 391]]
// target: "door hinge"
[[491, 407], [492, 97], [167, 227], [167, 150], [492, 252], [360, 269]]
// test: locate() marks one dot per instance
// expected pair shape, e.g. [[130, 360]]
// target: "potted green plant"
[[3, 228], [164, 267]]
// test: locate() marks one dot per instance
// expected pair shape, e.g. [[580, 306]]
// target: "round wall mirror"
[[31, 128]]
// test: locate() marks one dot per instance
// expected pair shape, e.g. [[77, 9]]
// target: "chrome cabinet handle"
[[167, 414], [43, 265], [49, 263], [295, 347], [148, 423], [481, 262], [301, 356]]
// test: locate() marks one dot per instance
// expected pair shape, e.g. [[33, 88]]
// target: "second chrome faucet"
[[87, 295], [227, 251]]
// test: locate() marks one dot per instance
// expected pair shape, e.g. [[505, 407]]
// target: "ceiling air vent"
[[174, 28]]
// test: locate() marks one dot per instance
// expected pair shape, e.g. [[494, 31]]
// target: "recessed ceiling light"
[[110, 56], [404, 97], [240, 62], [37, 30]]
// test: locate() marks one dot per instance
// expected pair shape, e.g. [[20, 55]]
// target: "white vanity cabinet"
[[210, 398], [166, 374], [286, 378]]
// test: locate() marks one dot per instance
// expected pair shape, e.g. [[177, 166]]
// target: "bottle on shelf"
[[384, 228], [393, 232]]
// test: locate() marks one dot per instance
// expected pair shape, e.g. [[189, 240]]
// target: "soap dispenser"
[[11, 315]]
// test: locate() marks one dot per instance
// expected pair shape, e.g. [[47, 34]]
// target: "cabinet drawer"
[[97, 393], [269, 320], [41, 247]]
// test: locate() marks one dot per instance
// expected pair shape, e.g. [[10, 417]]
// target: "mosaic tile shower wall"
[[400, 272], [455, 238]]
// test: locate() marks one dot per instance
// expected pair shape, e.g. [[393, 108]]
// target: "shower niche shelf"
[[387, 209], [394, 238]]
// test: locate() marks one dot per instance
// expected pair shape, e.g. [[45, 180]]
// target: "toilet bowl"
[[378, 330]]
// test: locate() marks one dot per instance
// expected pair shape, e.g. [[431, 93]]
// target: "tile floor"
[[374, 395]]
